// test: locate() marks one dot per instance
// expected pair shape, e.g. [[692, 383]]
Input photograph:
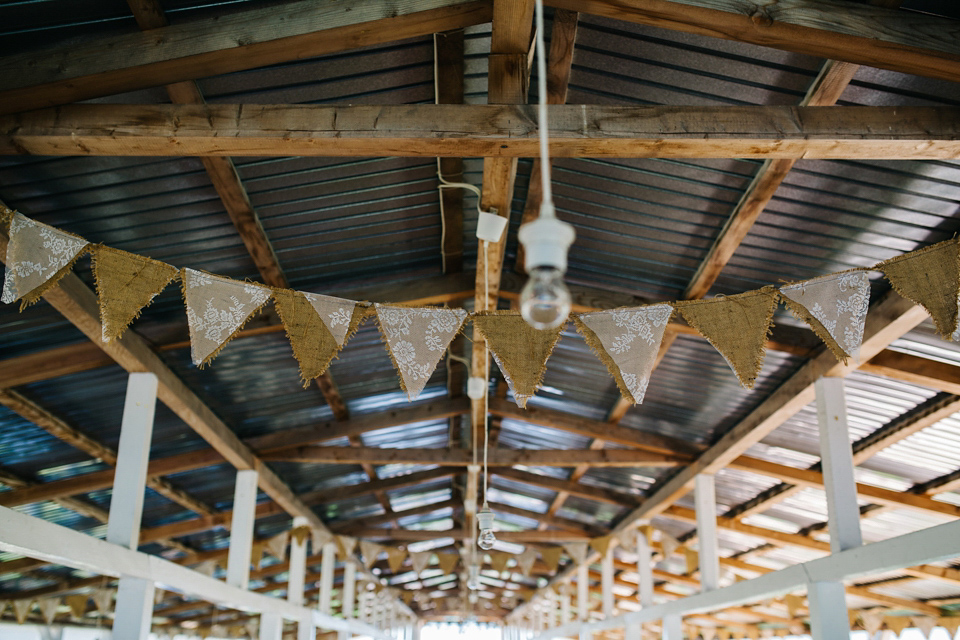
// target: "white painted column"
[[298, 564], [606, 582], [271, 626], [705, 499], [633, 631], [828, 611], [134, 609], [133, 455], [583, 586], [673, 628], [565, 603], [241, 528], [349, 588], [837, 457], [644, 570], [306, 629], [327, 566], [585, 633]]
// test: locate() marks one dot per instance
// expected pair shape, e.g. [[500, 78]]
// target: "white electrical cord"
[[546, 189]]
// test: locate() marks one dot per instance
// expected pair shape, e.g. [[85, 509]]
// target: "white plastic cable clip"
[[490, 226], [476, 388]]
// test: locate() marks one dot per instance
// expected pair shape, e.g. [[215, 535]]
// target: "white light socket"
[[476, 388], [546, 241], [490, 226]]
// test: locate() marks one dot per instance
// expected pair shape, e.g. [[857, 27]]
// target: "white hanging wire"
[[547, 190]]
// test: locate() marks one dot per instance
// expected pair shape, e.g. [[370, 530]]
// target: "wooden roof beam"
[[501, 132]]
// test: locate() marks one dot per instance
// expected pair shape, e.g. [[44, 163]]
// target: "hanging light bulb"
[[545, 300], [485, 522], [473, 581]]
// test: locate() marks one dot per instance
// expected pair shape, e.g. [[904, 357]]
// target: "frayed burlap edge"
[[761, 352], [945, 332], [6, 216], [95, 253], [31, 297], [386, 345], [216, 352], [543, 367], [801, 313]]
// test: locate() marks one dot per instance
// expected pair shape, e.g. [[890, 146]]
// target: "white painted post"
[[306, 629], [552, 607], [828, 611], [327, 566], [644, 570], [565, 603], [633, 631], [298, 565], [241, 528], [606, 582], [349, 588], [583, 586], [585, 633], [133, 455], [271, 626], [673, 628], [134, 609], [836, 454], [705, 499]]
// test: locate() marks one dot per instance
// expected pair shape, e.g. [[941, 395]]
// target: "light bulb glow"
[[485, 521], [545, 300], [486, 540]]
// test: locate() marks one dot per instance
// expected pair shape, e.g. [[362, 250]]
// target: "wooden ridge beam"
[[233, 42], [914, 369], [413, 535], [494, 131], [858, 33]]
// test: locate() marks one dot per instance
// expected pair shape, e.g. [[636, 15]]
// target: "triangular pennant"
[[300, 534], [420, 560], [48, 608], [577, 551], [692, 559], [951, 624], [416, 340], [647, 531], [126, 284], [520, 350], [627, 342], [835, 307], [21, 608], [724, 634], [668, 543], [338, 314], [217, 308], [103, 601], [77, 604], [448, 562], [319, 537], [708, 633], [369, 551], [736, 326], [929, 277], [158, 596], [499, 560], [794, 603], [38, 256], [602, 544], [627, 540], [3, 603], [277, 545], [852, 617], [526, 559], [207, 568], [395, 558], [897, 623], [346, 545], [551, 557], [872, 620], [252, 627], [407, 596], [256, 554], [926, 624]]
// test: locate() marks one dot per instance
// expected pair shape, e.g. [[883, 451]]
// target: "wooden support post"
[[349, 588], [328, 563], [644, 570], [705, 499], [241, 528], [298, 565], [828, 611], [133, 454], [134, 608], [606, 582], [843, 512], [271, 626], [583, 586], [672, 627]]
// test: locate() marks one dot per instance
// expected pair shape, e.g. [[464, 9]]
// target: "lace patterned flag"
[[577, 551], [420, 560], [338, 314], [416, 339], [736, 326], [369, 551], [520, 350], [37, 257], [217, 308], [931, 278], [627, 342], [126, 283], [526, 559], [835, 307]]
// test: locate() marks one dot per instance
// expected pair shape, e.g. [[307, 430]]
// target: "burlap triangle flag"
[[835, 307], [794, 603], [724, 634], [38, 256], [416, 339], [78, 604], [314, 345], [737, 327], [319, 537], [277, 545], [126, 284], [929, 277], [951, 624], [3, 607], [448, 562], [526, 559], [627, 342], [577, 551], [692, 559], [369, 551], [420, 560], [499, 560], [407, 596], [853, 616], [668, 543], [602, 544], [339, 315], [256, 554], [21, 608], [103, 600], [646, 530], [48, 608], [395, 558], [520, 350], [300, 534], [551, 557], [217, 308], [897, 623], [346, 546]]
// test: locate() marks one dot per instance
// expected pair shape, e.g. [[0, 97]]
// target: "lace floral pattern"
[[839, 303], [336, 313], [216, 308], [35, 254], [631, 339], [417, 338]]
